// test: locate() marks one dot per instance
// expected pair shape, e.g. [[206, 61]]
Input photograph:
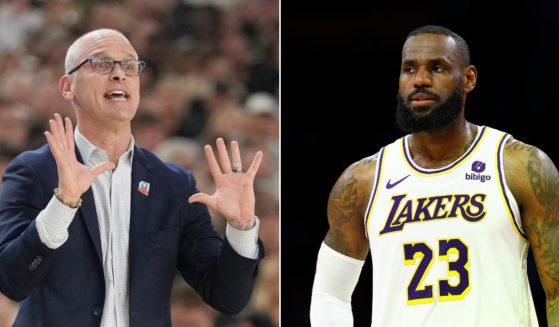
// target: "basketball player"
[[448, 211]]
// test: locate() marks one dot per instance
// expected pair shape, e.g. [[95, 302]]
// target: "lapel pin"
[[143, 188]]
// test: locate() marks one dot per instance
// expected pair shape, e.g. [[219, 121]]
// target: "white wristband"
[[334, 282]]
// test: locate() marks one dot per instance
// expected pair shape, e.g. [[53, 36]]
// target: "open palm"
[[234, 195], [74, 178]]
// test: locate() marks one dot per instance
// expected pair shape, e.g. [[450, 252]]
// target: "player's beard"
[[409, 121]]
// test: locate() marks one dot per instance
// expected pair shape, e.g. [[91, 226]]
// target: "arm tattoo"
[[345, 210], [341, 211], [536, 175], [541, 221], [553, 314], [544, 182]]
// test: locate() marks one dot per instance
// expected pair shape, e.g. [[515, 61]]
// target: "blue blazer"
[[66, 287]]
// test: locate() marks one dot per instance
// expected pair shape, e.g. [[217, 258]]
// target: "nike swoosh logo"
[[391, 185]]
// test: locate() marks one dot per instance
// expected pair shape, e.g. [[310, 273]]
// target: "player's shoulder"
[[519, 154], [529, 172], [528, 169], [356, 182], [365, 165], [363, 170]]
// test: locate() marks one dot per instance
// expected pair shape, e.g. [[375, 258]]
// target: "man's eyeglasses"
[[107, 65]]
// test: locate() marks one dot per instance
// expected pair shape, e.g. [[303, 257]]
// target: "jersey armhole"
[[506, 194], [378, 176]]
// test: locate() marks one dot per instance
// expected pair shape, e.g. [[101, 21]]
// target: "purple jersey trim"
[[375, 188], [502, 184], [439, 170]]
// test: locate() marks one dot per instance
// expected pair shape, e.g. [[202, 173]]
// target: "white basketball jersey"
[[447, 244]]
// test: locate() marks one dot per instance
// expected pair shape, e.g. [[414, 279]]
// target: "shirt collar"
[[93, 155]]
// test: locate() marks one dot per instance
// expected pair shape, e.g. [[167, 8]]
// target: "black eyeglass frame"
[[119, 62]]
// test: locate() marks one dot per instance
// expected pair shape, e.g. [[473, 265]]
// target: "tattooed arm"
[[346, 209], [345, 247], [534, 181]]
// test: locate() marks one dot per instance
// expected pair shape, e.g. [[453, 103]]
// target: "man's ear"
[[470, 76], [66, 87]]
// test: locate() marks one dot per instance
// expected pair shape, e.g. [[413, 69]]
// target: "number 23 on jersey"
[[455, 253]]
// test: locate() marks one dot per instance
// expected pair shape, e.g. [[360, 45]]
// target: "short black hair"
[[461, 45]]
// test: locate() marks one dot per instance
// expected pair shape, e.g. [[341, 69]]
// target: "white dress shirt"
[[111, 192]]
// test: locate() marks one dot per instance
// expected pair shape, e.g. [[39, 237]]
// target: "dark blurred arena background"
[[340, 69], [213, 70]]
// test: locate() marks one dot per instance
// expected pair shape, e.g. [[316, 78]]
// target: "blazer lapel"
[[142, 180], [89, 216]]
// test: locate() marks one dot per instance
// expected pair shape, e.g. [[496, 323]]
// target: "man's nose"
[[117, 74], [423, 78]]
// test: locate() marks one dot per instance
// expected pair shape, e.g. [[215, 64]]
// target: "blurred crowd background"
[[213, 70]]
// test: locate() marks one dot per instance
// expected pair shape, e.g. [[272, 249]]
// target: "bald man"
[[93, 227]]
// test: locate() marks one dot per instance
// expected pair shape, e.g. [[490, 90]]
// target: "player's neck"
[[438, 149]]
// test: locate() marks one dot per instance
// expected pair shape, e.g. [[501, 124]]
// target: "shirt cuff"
[[245, 242], [53, 222]]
